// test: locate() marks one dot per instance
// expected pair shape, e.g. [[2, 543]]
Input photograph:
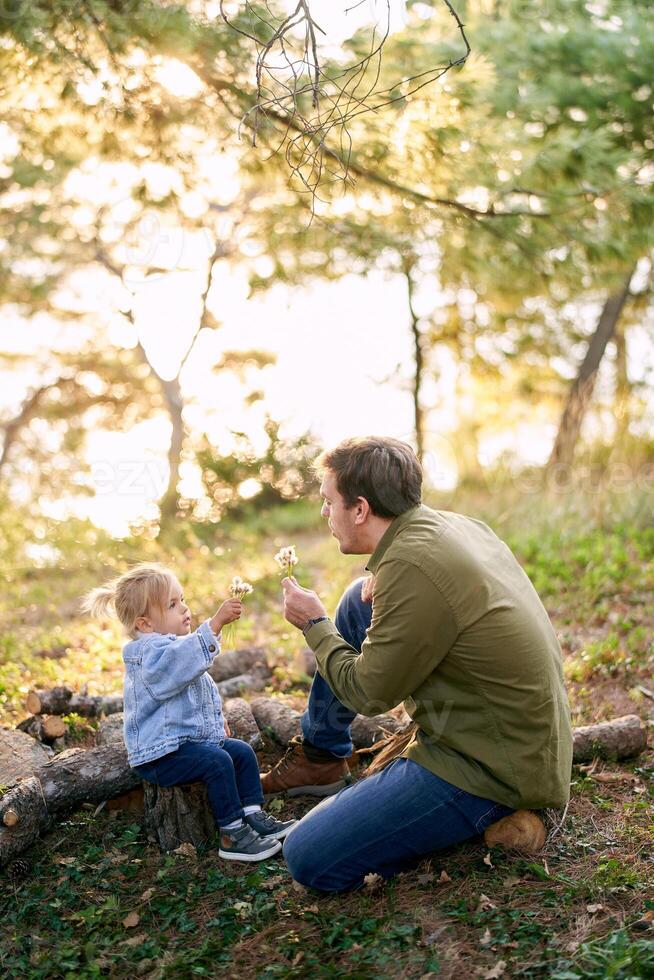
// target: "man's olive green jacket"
[[459, 635]]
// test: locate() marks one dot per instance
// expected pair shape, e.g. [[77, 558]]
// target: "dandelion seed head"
[[286, 558], [239, 589]]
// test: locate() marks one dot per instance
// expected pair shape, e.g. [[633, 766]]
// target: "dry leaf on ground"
[[646, 921], [131, 919], [271, 883], [495, 971], [614, 777]]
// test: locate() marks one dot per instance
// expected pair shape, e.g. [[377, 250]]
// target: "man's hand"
[[300, 605], [228, 731]]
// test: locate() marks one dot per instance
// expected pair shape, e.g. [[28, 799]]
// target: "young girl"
[[173, 722]]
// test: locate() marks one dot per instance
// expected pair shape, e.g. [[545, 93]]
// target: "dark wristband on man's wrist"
[[312, 622]]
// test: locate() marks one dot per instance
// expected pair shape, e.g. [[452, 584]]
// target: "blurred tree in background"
[[514, 198], [247, 479]]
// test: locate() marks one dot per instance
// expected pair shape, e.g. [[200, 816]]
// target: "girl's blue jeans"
[[384, 823], [229, 771]]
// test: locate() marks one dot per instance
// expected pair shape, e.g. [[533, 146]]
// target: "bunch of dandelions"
[[287, 560], [237, 590]]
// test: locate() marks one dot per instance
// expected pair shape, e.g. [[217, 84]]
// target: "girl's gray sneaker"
[[266, 825], [245, 844]]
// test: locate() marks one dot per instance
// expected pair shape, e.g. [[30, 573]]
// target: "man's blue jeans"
[[230, 772], [384, 823], [326, 722]]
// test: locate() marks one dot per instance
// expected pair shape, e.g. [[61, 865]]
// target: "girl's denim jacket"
[[169, 697]]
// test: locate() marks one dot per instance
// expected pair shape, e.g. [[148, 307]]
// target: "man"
[[457, 632]]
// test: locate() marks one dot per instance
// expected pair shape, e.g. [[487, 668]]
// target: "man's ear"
[[361, 510]]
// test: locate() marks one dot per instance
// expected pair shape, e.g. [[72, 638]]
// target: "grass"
[[571, 913]]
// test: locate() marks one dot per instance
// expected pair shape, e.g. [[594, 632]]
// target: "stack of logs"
[[76, 776]]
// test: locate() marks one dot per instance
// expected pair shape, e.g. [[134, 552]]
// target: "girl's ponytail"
[[100, 602], [131, 595]]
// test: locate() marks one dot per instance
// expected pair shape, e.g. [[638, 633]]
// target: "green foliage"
[[198, 917], [282, 472], [617, 956]]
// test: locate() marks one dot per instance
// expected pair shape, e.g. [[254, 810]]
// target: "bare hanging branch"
[[312, 106]]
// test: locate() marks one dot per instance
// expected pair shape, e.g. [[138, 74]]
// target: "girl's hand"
[[229, 612]]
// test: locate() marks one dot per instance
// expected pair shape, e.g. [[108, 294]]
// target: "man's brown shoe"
[[295, 775]]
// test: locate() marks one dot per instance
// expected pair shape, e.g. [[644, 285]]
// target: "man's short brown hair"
[[385, 471]]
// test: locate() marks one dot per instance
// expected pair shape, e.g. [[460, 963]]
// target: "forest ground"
[[99, 900]]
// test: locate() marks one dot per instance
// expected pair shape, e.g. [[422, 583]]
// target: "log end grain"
[[53, 727], [33, 703]]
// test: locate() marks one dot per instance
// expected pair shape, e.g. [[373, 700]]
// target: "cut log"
[[20, 755], [87, 776], [276, 719], [235, 686], [283, 723], [28, 817], [236, 662], [620, 738], [62, 701], [241, 721], [74, 777], [366, 731], [178, 815], [44, 728], [110, 731]]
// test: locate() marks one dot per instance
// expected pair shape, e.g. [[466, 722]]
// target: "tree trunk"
[[419, 365], [169, 505], [622, 399], [29, 409], [582, 387]]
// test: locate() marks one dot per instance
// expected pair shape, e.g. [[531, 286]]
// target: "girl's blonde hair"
[[134, 594]]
